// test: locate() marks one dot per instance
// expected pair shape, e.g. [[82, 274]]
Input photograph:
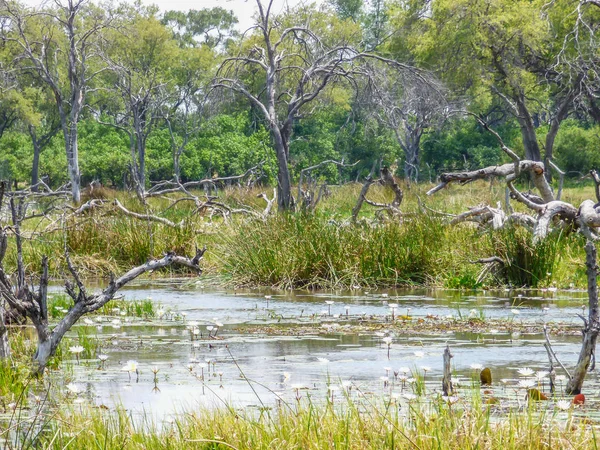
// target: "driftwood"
[[546, 208]]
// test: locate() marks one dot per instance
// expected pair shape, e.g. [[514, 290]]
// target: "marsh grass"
[[527, 264], [347, 423], [319, 250], [311, 251]]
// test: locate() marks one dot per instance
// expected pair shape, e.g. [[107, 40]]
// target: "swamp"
[[297, 225]]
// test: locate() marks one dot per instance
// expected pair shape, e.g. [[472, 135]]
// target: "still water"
[[243, 367]]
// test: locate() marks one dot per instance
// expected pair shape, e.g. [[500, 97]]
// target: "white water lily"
[[541, 374], [525, 372], [515, 311], [73, 388], [526, 383], [476, 366], [323, 360], [419, 354], [387, 340], [563, 405], [76, 349], [131, 366], [102, 357]]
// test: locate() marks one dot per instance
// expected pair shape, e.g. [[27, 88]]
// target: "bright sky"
[[243, 9]]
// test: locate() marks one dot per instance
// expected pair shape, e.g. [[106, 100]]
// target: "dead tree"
[[295, 66], [62, 58], [308, 196], [386, 179], [32, 302], [545, 208], [546, 213], [587, 355]]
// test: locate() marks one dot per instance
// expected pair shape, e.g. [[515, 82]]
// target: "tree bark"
[[587, 355], [447, 378]]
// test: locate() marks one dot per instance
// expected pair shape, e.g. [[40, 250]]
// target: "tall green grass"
[[312, 251], [346, 424], [319, 250]]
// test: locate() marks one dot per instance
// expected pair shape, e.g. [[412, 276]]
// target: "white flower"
[[131, 366], [476, 366], [419, 354], [408, 396], [387, 340], [88, 321], [329, 302], [425, 368], [563, 405], [73, 388], [514, 311], [385, 295], [323, 360], [560, 377], [102, 357], [160, 313], [526, 383], [540, 375], [393, 305], [267, 297], [404, 370], [76, 349], [525, 372]]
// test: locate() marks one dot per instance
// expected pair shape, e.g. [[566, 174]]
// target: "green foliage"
[[576, 148], [527, 264]]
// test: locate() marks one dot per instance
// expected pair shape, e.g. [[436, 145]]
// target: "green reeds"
[[348, 424]]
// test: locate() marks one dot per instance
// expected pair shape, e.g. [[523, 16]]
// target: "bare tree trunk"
[[587, 355], [284, 181], [447, 378], [36, 161], [4, 344], [72, 149]]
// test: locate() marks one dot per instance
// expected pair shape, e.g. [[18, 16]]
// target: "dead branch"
[[32, 303], [147, 217], [393, 208], [309, 199]]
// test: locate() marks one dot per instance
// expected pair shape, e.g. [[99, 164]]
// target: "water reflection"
[[214, 372]]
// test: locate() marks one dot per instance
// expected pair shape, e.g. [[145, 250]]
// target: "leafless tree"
[[60, 45], [546, 212], [409, 105], [293, 66], [29, 300]]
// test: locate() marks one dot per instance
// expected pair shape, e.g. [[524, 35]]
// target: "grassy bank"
[[323, 249], [342, 423]]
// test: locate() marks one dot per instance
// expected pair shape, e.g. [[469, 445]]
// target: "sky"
[[243, 9]]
